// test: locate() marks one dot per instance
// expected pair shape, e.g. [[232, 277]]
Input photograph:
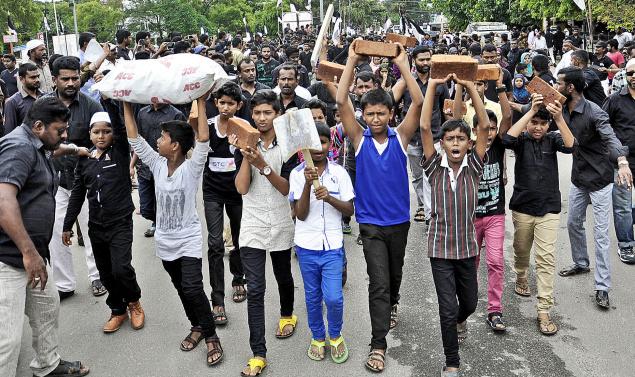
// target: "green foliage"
[[364, 13], [99, 18], [614, 13], [26, 16]]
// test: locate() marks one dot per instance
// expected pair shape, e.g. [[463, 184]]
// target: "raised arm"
[[483, 120], [457, 112], [555, 109], [521, 125], [506, 110], [425, 122], [409, 125], [131, 124], [200, 128], [352, 127]]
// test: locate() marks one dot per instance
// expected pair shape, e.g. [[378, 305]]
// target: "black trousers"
[[187, 277], [457, 293], [384, 251], [254, 263], [147, 198], [112, 247], [216, 248]]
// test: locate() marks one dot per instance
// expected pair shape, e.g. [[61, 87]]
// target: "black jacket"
[[105, 181]]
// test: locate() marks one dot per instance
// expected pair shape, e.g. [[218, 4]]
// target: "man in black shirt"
[[620, 108], [575, 38], [600, 63], [124, 39], [149, 121], [490, 56], [513, 57], [593, 91], [16, 107], [9, 74], [294, 59], [27, 197], [592, 177], [247, 76], [288, 81], [67, 82], [265, 66]]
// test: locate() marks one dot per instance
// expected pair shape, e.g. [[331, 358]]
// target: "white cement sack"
[[174, 79]]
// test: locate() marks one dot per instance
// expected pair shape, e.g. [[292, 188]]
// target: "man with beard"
[[18, 105], [36, 52], [593, 91], [67, 83], [601, 63], [287, 82], [513, 56], [265, 66], [27, 198], [124, 39], [567, 49], [293, 54], [620, 107], [490, 56], [421, 56], [592, 176], [247, 76]]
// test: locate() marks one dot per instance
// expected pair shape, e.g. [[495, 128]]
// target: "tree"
[[26, 16], [614, 13], [99, 18]]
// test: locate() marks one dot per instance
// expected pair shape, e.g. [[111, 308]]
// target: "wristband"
[[501, 89]]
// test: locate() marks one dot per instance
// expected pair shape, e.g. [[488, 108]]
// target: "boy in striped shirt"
[[454, 177]]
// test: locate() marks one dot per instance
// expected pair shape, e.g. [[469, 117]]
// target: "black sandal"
[[420, 215], [495, 321], [240, 294], [376, 355], [220, 316], [69, 369], [393, 316], [192, 341], [217, 350]]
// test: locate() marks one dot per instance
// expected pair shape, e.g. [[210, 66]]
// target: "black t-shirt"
[[604, 62], [490, 92], [219, 173], [491, 188]]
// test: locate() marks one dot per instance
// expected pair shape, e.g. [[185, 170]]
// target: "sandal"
[[393, 316], [293, 321], [420, 215], [69, 369], [253, 363], [334, 344], [219, 315], [546, 325], [240, 294], [216, 351], [522, 288], [376, 355], [461, 332], [193, 342], [495, 321], [98, 288], [319, 345]]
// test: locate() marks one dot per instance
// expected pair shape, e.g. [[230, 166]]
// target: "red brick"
[[404, 40], [463, 66], [371, 48], [549, 93], [247, 135], [328, 71], [487, 72], [448, 107]]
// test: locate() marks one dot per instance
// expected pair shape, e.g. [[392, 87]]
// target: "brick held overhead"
[[371, 48], [464, 67], [549, 93], [404, 40], [329, 71], [488, 72]]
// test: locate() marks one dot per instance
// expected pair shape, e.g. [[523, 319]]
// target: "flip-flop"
[[320, 346], [335, 344], [293, 321]]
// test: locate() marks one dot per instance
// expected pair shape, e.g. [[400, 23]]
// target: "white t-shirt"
[[178, 228], [322, 229]]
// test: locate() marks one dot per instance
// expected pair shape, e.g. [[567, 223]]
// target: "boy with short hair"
[[178, 236], [452, 248], [262, 180], [320, 244], [219, 191], [535, 203], [382, 206]]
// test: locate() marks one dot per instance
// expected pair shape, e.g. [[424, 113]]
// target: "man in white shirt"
[[622, 36], [540, 43]]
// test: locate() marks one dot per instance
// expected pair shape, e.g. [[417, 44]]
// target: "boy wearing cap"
[[105, 180]]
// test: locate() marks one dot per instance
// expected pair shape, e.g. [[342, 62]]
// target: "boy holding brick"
[[454, 178], [382, 207], [535, 203]]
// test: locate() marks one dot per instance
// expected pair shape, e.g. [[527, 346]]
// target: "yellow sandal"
[[293, 321], [254, 363], [319, 345]]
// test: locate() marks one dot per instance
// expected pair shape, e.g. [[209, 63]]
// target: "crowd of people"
[[70, 159]]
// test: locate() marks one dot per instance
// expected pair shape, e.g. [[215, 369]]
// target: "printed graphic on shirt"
[[222, 165], [171, 205], [489, 189]]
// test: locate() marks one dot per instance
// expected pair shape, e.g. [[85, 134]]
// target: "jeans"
[[492, 229], [457, 293], [322, 276], [600, 201], [254, 264], [543, 232], [112, 246], [61, 255], [187, 277], [42, 309], [147, 198], [623, 215], [216, 248], [384, 251]]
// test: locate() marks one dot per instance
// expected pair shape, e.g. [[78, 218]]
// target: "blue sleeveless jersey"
[[382, 194]]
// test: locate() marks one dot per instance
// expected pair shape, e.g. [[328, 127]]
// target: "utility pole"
[[75, 23]]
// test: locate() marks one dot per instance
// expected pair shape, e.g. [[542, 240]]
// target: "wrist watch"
[[266, 171], [500, 89]]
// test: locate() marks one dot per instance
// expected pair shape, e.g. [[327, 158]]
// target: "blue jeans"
[[623, 215], [600, 200], [147, 201], [322, 274]]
